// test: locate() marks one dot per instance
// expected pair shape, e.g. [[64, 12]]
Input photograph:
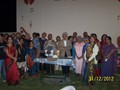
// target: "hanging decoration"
[[30, 24], [31, 10], [29, 2]]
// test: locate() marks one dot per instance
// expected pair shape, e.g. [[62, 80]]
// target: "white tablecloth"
[[59, 61]]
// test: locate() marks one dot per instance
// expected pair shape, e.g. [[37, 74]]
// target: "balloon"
[[29, 2]]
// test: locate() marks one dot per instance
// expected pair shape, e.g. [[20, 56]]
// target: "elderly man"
[[65, 46]]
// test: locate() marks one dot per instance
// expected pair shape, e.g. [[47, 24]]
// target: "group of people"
[[95, 58], [18, 51]]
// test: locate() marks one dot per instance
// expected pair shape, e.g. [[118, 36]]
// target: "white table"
[[57, 61]]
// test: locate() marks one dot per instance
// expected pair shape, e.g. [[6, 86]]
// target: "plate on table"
[[69, 57]]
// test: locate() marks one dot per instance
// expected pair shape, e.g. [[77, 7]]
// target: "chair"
[[68, 88]]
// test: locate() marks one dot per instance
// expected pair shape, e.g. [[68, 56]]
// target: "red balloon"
[[29, 2]]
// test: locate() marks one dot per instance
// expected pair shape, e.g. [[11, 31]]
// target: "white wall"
[[56, 17]]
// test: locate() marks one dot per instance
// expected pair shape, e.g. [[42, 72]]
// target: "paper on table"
[[106, 59]]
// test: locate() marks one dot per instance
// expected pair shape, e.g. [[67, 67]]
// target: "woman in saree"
[[87, 43], [109, 62], [90, 58], [12, 72], [32, 53], [102, 43]]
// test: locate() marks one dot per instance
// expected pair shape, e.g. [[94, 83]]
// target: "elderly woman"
[[65, 47], [78, 57]]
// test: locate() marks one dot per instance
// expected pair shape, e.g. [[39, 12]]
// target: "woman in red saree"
[[12, 73]]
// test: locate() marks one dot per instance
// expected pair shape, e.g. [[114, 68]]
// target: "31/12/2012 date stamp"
[[101, 78]]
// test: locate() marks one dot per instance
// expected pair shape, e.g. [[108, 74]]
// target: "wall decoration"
[[29, 2], [31, 10], [30, 24]]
